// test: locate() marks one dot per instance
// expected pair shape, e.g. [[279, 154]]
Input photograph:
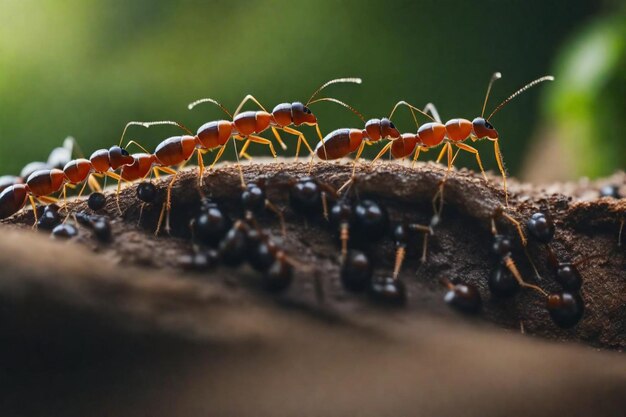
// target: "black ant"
[[462, 296]]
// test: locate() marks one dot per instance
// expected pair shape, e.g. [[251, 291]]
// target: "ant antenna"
[[335, 81], [520, 91], [494, 77], [412, 108], [209, 100], [341, 103], [149, 124]]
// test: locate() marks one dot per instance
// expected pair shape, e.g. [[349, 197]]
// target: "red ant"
[[249, 124], [341, 142], [456, 132], [41, 184]]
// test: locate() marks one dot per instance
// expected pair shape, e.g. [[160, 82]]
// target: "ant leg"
[[473, 150], [496, 149], [34, 206], [243, 102], [94, 185], [301, 139], [447, 149], [430, 107], [274, 131], [279, 213], [244, 148], [382, 151], [400, 254], [442, 153], [218, 156], [508, 262], [200, 155], [263, 141], [356, 159], [427, 230], [168, 200], [416, 155], [501, 213]]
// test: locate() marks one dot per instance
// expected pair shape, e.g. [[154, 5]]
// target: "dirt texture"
[[118, 328]]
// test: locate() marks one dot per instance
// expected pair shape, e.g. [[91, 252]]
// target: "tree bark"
[[123, 316]]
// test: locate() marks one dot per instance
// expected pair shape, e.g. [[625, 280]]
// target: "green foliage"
[[587, 104], [86, 67]]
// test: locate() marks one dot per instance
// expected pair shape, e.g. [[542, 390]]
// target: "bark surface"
[[118, 328]]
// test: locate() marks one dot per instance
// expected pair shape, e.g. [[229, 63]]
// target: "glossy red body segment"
[[431, 134], [356, 138], [458, 129], [138, 169], [372, 127], [263, 120], [175, 150], [282, 114], [12, 199], [100, 160], [337, 144], [404, 146], [245, 123], [77, 171], [45, 182], [214, 134]]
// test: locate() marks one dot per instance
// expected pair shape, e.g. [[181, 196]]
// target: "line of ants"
[[246, 126]]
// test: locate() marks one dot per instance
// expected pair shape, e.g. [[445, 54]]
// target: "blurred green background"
[[84, 68]]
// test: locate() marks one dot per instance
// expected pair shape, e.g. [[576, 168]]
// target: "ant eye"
[[307, 110], [391, 125], [488, 125], [125, 152]]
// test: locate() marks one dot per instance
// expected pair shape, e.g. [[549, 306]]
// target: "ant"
[[249, 124], [57, 159], [462, 296], [342, 142], [41, 184], [456, 132]]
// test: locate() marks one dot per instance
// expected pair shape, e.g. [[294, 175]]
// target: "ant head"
[[388, 129], [481, 128], [302, 114], [119, 157]]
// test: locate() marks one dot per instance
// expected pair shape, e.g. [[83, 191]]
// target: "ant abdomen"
[[78, 170], [356, 271], [305, 196], [214, 134], [431, 134], [370, 220], [565, 308], [404, 145], [175, 150], [250, 122], [541, 227], [12, 199], [458, 129], [339, 143], [211, 225], [45, 182]]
